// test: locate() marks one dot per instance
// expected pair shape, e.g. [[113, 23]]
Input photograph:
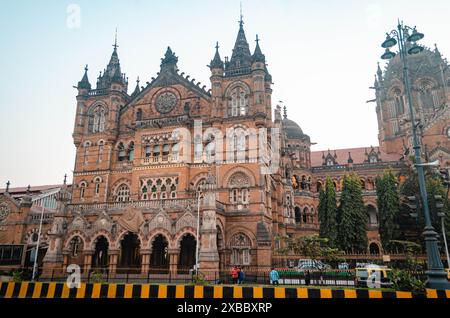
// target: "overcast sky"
[[322, 56]]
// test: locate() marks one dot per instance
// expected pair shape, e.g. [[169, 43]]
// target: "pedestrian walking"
[[274, 277], [234, 274], [241, 276]]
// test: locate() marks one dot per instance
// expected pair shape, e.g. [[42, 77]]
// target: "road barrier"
[[39, 290]]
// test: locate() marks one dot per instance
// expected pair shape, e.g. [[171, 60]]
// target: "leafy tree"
[[328, 212], [352, 216], [411, 229], [313, 247], [388, 201]]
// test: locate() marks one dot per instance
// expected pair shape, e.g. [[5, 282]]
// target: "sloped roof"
[[358, 155]]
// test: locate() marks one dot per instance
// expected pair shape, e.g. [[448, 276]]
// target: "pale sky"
[[322, 56]]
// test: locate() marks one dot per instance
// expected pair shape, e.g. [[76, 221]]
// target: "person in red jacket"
[[234, 274]]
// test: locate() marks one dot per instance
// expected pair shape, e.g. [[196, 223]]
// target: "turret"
[[84, 86]]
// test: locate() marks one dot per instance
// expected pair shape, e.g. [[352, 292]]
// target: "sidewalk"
[[90, 291]]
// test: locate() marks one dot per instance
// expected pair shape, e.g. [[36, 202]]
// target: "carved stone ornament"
[[4, 211], [166, 102]]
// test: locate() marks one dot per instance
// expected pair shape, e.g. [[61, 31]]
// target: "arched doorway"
[[76, 247], [374, 249], [130, 256], [100, 257], [159, 258], [220, 247], [187, 252]]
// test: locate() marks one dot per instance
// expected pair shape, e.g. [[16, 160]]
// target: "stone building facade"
[[150, 162]]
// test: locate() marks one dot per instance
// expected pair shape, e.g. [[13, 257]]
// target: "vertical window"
[[175, 152], [83, 186], [121, 152], [148, 151], [100, 151], [87, 144], [123, 193], [238, 102], [131, 151]]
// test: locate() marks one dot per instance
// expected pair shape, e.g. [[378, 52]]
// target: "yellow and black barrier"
[[40, 290]]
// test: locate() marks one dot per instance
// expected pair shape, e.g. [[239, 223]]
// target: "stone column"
[[87, 261], [209, 255], [173, 260], [145, 254], [113, 259]]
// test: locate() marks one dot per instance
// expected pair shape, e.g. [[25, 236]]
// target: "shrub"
[[405, 281]]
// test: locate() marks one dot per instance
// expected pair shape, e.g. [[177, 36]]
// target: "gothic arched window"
[[426, 94], [399, 102], [240, 249], [97, 120], [239, 188], [238, 98], [121, 152], [76, 245], [131, 151], [123, 193], [83, 186]]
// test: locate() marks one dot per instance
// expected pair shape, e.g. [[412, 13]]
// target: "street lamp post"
[[35, 264], [436, 274]]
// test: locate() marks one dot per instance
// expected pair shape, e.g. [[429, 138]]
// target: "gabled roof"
[[358, 155], [168, 76]]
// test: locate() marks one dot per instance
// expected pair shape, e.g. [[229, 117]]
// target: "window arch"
[[83, 186], [121, 152], [399, 101], [76, 246], [298, 215], [240, 249], [97, 119], [306, 215], [130, 153], [426, 94], [238, 101], [97, 181], [239, 184], [123, 193]]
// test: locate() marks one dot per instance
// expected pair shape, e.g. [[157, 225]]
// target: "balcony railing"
[[148, 204]]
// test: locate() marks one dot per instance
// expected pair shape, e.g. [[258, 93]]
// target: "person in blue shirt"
[[274, 277], [241, 276]]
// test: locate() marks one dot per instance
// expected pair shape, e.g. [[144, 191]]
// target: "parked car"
[[373, 277], [310, 264]]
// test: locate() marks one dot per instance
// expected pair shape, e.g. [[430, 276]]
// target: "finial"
[[65, 178], [115, 42], [285, 112], [241, 21], [217, 46], [28, 189], [257, 40], [138, 81], [7, 186], [86, 68]]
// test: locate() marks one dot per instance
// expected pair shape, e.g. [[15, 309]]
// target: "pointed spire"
[[84, 83], [7, 186], [350, 159], [436, 51], [65, 179], [241, 59], [169, 62], [379, 73], [137, 90], [375, 84], [28, 189], [216, 61], [258, 56]]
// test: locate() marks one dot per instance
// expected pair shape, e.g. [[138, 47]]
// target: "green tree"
[[352, 216], [313, 247], [388, 201], [411, 229], [328, 212]]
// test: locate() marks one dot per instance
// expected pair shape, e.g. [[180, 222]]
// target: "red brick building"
[[148, 161]]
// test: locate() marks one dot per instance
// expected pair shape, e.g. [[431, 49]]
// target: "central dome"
[[292, 129]]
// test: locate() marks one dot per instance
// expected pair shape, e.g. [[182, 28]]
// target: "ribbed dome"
[[292, 129]]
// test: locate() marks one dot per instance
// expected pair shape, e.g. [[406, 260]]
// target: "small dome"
[[292, 129]]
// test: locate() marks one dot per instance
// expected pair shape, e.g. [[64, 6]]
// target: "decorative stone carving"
[[4, 211], [161, 220], [166, 102], [186, 220]]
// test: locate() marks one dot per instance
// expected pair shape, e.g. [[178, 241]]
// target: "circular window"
[[166, 102]]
